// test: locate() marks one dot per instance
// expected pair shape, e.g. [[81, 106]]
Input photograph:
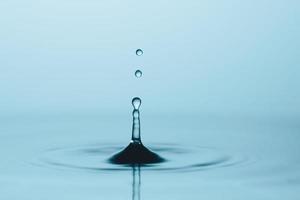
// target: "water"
[[136, 152], [139, 52], [136, 182], [138, 73], [136, 103], [238, 156], [241, 165], [184, 157], [187, 158], [136, 125], [219, 102]]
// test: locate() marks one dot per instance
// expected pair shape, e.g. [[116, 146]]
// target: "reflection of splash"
[[136, 182]]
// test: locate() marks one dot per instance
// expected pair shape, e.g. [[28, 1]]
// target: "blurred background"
[[200, 57]]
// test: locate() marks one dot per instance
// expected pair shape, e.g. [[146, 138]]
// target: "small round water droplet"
[[139, 52], [136, 102], [138, 73]]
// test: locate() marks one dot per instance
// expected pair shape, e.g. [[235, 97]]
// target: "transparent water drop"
[[138, 73], [136, 102], [139, 52]]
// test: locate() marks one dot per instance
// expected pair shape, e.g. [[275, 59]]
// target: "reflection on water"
[[243, 164], [136, 182]]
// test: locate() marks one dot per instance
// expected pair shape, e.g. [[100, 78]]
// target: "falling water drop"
[[139, 52], [138, 73]]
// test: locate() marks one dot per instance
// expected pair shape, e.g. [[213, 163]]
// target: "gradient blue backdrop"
[[227, 57], [222, 74]]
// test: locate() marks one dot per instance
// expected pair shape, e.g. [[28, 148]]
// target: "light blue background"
[[221, 57], [218, 74]]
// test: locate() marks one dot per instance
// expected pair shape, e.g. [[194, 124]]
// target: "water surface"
[[64, 157]]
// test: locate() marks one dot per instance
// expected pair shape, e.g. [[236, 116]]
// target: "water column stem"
[[136, 124]]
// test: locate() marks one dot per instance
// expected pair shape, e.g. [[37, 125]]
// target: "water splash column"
[[136, 124]]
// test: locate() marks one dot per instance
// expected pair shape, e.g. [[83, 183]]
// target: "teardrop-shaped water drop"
[[139, 52], [138, 73], [136, 102]]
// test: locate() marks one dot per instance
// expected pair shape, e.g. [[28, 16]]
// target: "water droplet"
[[138, 73], [139, 52], [136, 102]]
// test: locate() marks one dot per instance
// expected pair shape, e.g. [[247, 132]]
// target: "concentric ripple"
[[178, 158]]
